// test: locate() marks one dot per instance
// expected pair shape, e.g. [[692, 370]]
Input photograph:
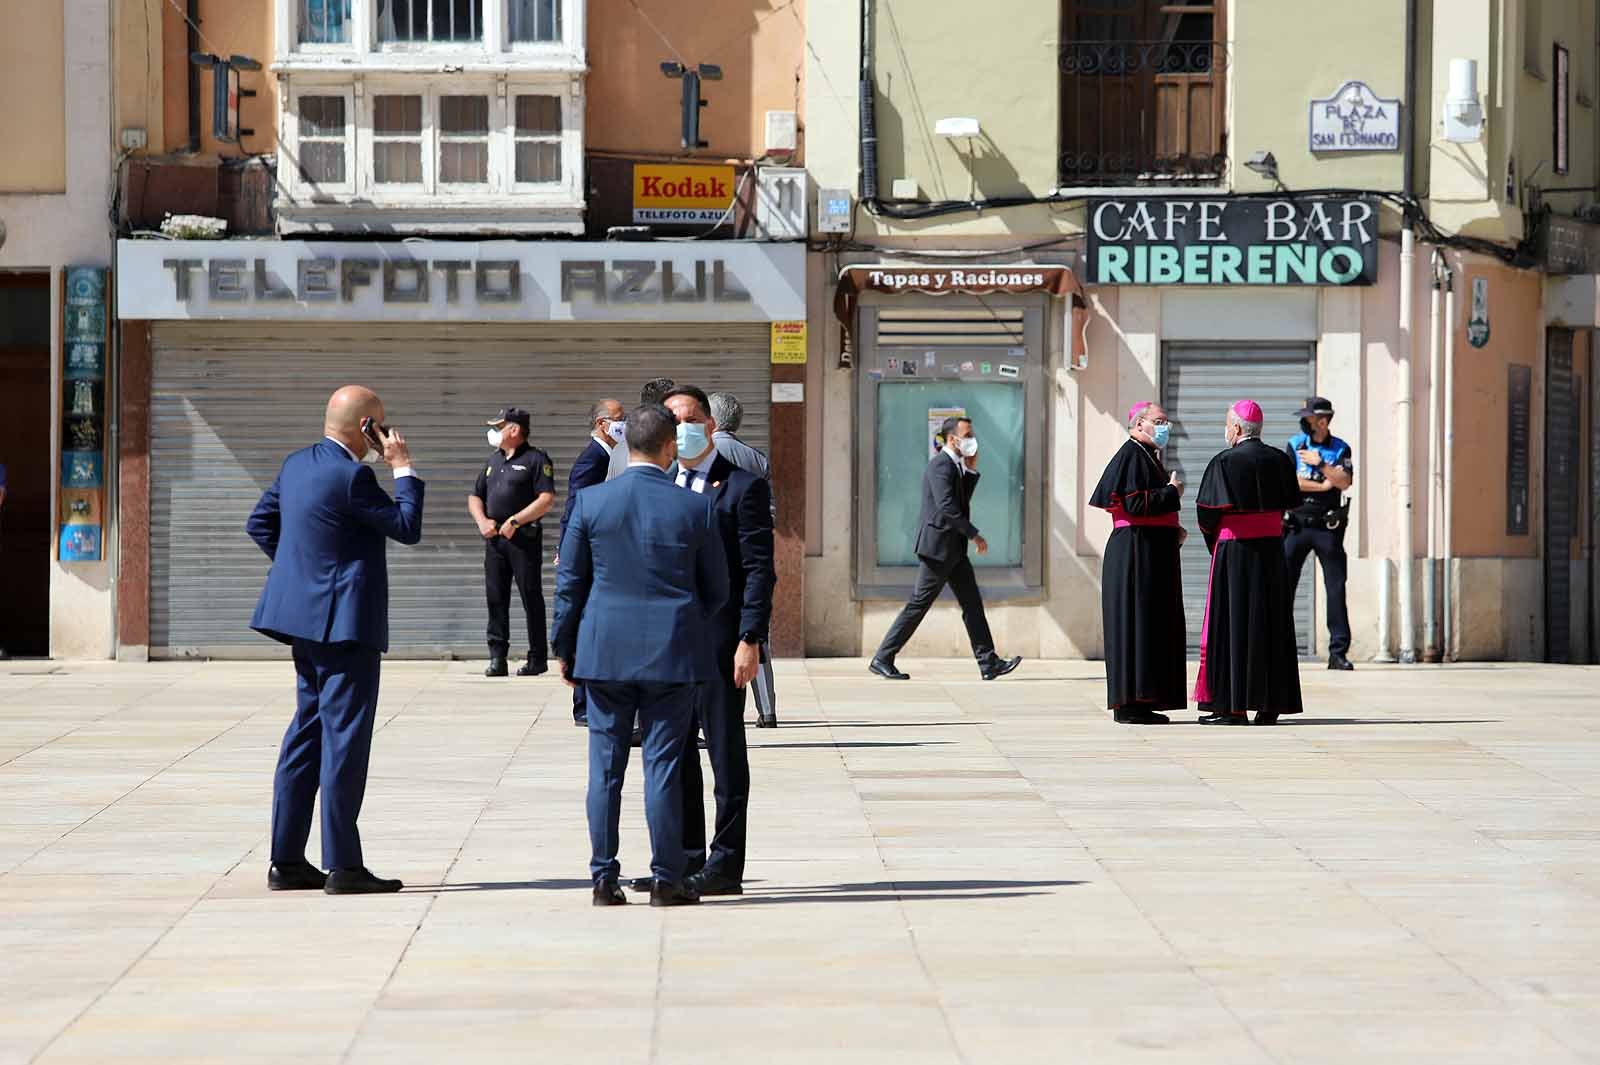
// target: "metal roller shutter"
[[230, 400], [1201, 381]]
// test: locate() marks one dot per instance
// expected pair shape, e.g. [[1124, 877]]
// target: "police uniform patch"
[[488, 471], [549, 469]]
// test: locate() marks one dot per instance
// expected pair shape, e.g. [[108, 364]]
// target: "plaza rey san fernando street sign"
[[1280, 240]]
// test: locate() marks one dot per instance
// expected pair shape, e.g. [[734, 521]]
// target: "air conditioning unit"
[[781, 202]]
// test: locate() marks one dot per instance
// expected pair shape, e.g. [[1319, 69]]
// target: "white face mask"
[[615, 430], [968, 446], [495, 436]]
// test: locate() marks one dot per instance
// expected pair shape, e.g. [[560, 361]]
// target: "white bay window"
[[431, 115]]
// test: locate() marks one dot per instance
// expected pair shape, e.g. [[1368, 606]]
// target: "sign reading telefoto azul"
[[460, 281], [1329, 240]]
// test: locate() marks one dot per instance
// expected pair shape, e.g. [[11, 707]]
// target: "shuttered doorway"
[[230, 400], [1201, 382]]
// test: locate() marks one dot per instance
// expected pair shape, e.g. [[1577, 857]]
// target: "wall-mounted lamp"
[[1463, 117], [1265, 164], [692, 103], [963, 129]]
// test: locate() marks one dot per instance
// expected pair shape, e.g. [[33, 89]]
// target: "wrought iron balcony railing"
[[1142, 113]]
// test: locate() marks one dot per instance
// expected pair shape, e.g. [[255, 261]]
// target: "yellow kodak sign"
[[668, 194]]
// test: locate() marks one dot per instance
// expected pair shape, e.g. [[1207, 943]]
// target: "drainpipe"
[[1447, 645], [868, 112], [1404, 403], [1430, 577], [192, 20]]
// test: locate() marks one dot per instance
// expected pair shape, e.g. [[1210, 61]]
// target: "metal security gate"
[[229, 401], [1560, 493], [1201, 381]]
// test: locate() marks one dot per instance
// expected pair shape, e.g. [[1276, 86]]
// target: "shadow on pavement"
[[842, 746], [1290, 723], [879, 724], [903, 891]]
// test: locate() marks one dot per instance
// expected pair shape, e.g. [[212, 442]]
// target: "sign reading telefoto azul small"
[[1330, 240]]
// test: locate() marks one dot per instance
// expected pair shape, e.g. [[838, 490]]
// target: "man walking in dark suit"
[[738, 631], [589, 468], [641, 577], [944, 527], [324, 523]]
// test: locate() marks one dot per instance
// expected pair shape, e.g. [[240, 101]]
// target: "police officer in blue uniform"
[[515, 489], [1325, 466]]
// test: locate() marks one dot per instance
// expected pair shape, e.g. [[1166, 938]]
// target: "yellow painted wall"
[[33, 87], [137, 55], [1284, 55], [632, 107], [228, 27]]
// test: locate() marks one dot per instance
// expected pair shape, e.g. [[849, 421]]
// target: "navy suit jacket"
[[323, 523], [589, 468], [642, 574], [743, 502]]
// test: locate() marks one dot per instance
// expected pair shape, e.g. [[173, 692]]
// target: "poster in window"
[[84, 346]]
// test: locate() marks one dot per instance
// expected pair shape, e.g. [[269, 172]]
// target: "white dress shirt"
[[399, 471], [694, 478]]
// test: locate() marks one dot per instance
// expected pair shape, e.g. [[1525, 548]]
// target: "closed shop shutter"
[[1201, 381], [230, 400]]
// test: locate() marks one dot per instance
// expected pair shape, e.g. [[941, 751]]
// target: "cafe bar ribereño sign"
[[1298, 240]]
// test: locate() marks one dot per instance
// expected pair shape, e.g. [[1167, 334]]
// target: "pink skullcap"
[[1248, 410], [1134, 410]]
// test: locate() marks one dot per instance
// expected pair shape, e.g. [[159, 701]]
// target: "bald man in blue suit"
[[324, 524]]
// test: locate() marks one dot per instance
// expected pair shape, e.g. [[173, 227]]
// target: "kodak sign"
[[681, 195]]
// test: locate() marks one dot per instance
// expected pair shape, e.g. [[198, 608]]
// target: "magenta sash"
[[1256, 525], [1121, 519]]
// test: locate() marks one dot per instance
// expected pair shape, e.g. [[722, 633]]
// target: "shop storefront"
[[246, 341]]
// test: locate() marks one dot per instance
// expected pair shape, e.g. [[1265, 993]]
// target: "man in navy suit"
[[324, 523], [641, 577], [738, 631], [589, 468]]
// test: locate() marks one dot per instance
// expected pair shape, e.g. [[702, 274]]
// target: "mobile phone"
[[371, 430]]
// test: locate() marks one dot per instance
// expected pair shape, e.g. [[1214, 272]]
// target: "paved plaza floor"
[[941, 871]]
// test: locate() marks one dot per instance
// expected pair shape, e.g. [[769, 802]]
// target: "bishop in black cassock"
[[1248, 657], [1141, 583]]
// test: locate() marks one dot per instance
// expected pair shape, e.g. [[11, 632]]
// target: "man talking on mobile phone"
[[324, 523]]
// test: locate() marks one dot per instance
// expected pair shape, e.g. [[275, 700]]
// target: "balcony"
[[1142, 113]]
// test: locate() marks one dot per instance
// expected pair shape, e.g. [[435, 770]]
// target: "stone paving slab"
[[942, 870]]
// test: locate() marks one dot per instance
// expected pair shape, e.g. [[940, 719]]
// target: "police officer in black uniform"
[[1325, 466], [516, 488]]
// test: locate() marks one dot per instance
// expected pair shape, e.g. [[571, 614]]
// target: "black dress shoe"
[[295, 876], [707, 882], [767, 722], [359, 881], [642, 883], [1223, 717], [530, 669], [607, 893], [887, 670], [1263, 718], [1339, 661], [1132, 715], [665, 894], [497, 667], [998, 667], [581, 722]]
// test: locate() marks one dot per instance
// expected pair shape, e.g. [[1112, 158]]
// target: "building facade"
[[56, 169], [1228, 199], [465, 204]]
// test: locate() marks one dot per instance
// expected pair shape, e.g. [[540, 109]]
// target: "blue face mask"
[[1159, 435], [692, 440]]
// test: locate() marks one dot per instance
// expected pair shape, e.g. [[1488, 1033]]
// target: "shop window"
[[324, 150], [464, 140], [430, 21], [920, 365], [397, 140], [538, 139], [324, 21], [535, 21], [1142, 85]]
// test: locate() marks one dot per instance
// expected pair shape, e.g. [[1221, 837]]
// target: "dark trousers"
[[1329, 547], [518, 559], [326, 748], [931, 580], [664, 712], [719, 710]]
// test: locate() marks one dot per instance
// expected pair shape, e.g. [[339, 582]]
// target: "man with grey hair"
[[1248, 657], [728, 413]]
